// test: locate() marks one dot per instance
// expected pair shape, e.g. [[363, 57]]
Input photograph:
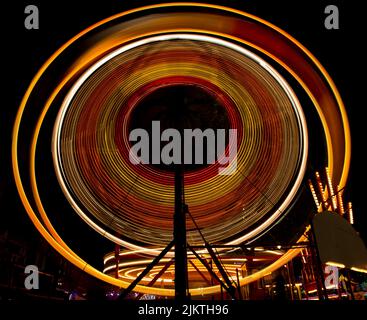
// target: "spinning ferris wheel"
[[233, 70]]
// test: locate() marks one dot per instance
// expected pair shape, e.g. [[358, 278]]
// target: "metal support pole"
[[238, 285], [349, 284], [290, 287], [320, 279], [179, 236]]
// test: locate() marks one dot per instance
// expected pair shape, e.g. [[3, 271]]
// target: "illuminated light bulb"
[[313, 192], [340, 201], [321, 191], [350, 212], [331, 189]]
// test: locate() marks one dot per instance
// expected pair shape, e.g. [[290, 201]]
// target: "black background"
[[23, 52], [340, 51]]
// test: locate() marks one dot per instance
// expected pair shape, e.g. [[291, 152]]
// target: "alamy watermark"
[[31, 281], [31, 21], [332, 20], [179, 147]]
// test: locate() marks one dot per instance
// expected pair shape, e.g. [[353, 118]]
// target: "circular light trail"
[[272, 151], [132, 263], [238, 27]]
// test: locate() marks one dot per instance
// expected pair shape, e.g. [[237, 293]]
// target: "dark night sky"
[[25, 51]]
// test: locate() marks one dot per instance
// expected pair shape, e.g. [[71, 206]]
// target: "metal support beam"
[[157, 276], [206, 265], [214, 257], [200, 273], [133, 284], [221, 269]]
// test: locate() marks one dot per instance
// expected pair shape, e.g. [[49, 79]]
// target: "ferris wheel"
[[186, 66]]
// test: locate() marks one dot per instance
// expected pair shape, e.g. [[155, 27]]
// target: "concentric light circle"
[[237, 29], [137, 201]]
